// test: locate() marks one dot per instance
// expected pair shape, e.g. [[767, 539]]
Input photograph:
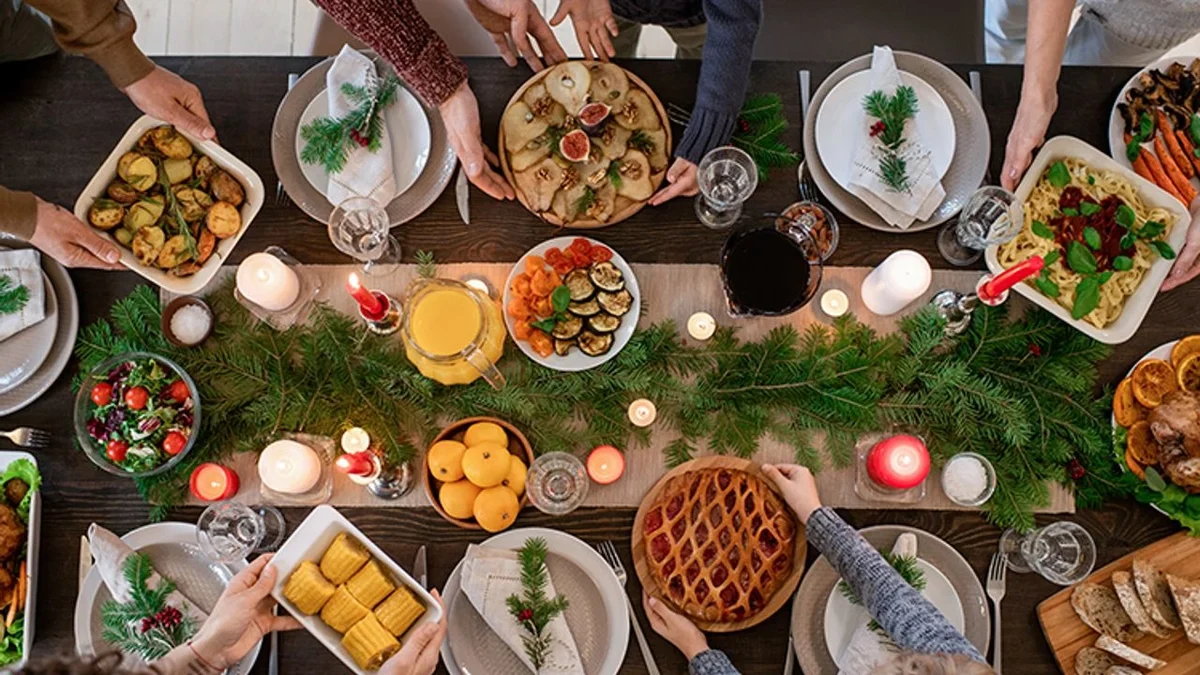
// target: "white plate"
[[1162, 352], [576, 360], [842, 619], [1136, 305], [202, 582], [223, 158], [841, 113], [22, 354], [1116, 123], [309, 542], [582, 555], [33, 538], [408, 130]]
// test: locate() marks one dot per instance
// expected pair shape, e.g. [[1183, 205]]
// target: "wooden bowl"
[[782, 596], [177, 304], [517, 445]]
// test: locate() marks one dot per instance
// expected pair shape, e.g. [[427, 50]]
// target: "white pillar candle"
[[834, 302], [903, 277], [267, 282], [289, 467]]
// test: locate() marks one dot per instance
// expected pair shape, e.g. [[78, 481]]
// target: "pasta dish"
[[1096, 235]]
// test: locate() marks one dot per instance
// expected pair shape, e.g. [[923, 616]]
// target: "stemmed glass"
[[991, 215], [727, 177], [1062, 552], [557, 483], [230, 531], [359, 228]]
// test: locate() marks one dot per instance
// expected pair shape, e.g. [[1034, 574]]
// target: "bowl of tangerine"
[[475, 473]]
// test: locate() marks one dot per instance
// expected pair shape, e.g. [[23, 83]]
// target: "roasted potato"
[[147, 243], [146, 142], [122, 192], [224, 220], [123, 236], [105, 214], [204, 170], [143, 214], [194, 203], [174, 252], [206, 243], [171, 143], [124, 162], [226, 188], [137, 170], [177, 170]]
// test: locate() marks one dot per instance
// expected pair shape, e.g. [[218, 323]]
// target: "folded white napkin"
[[366, 174], [925, 190], [23, 267], [109, 553], [489, 576], [868, 649]]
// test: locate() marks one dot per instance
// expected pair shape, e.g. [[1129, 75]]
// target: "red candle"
[[213, 482], [605, 464], [900, 462], [356, 463], [992, 289], [368, 302]]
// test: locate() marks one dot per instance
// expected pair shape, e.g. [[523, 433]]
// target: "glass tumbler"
[[359, 227], [1062, 552], [727, 177], [557, 483], [991, 216], [231, 531]]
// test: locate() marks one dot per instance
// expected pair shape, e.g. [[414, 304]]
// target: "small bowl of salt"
[[187, 321], [968, 479]]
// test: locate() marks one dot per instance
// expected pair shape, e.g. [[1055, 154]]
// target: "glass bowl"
[[84, 406], [988, 469]]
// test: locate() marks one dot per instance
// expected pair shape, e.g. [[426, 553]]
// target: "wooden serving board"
[[782, 596], [584, 224], [1178, 554]]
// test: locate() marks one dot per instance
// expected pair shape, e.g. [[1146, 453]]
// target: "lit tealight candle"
[[900, 462], [701, 325], [642, 412], [901, 278], [355, 439], [213, 482], [267, 282], [289, 467], [834, 302], [605, 464]]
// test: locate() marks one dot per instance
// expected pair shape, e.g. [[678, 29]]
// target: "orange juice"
[[445, 322]]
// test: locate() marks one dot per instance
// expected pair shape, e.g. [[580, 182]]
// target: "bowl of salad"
[[136, 414]]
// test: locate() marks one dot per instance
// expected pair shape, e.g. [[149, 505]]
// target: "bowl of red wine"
[[769, 270]]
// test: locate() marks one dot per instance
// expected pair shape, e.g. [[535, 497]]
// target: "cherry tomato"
[[102, 394], [116, 450], [174, 443], [136, 398], [581, 245], [580, 259], [553, 255], [601, 254], [178, 391]]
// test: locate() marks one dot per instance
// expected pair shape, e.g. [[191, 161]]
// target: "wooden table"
[[61, 118]]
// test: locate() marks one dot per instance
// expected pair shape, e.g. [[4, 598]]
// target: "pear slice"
[[635, 177], [612, 140], [659, 159], [521, 126], [531, 154], [637, 112], [594, 172], [602, 208], [543, 105], [609, 83], [569, 83], [539, 183]]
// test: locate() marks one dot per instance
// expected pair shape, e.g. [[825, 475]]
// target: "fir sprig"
[[426, 264], [760, 126], [906, 566], [892, 113], [328, 140], [13, 296], [534, 609], [135, 626]]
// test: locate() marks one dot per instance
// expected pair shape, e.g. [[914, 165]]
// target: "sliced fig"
[[609, 83], [575, 146], [593, 115], [569, 83], [521, 126], [539, 183], [635, 182], [637, 112]]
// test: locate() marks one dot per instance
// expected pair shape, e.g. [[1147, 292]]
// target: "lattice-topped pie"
[[719, 543]]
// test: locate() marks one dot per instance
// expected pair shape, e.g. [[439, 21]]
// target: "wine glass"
[[1062, 552], [557, 483], [230, 531], [726, 177], [991, 215], [359, 227]]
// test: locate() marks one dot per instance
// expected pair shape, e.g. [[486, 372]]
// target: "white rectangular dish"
[[33, 538], [309, 542], [1138, 304], [250, 180]]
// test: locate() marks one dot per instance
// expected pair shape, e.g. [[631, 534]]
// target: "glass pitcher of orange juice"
[[452, 333]]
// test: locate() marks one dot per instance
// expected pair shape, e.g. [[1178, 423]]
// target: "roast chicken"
[[1176, 427]]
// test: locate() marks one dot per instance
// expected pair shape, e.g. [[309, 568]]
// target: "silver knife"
[[419, 568], [85, 559], [805, 94], [273, 660], [462, 194], [787, 665]]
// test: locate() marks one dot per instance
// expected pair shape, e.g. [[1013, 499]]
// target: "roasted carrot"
[[22, 585], [1139, 164], [1160, 175], [1182, 186], [1188, 148], [12, 608], [1172, 143]]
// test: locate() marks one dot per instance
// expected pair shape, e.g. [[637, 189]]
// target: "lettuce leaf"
[[12, 643], [28, 472]]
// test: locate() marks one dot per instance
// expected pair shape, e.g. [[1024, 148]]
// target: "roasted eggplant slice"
[[580, 286], [606, 277], [604, 323], [595, 344], [563, 347], [588, 308], [567, 328], [617, 304]]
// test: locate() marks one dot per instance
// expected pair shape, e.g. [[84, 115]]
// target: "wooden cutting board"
[[1178, 554]]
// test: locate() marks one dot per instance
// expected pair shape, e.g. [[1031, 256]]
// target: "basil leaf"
[[1125, 216], [546, 325], [1058, 175], [1087, 297], [1080, 259], [1127, 241], [1091, 179], [1191, 506], [1047, 287], [1151, 229], [1154, 480], [1070, 211], [1164, 249], [1105, 276], [1092, 237], [560, 297], [1050, 258], [1042, 230], [1133, 149], [1122, 263], [1088, 208]]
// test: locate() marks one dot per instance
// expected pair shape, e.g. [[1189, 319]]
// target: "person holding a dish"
[[929, 644], [103, 31]]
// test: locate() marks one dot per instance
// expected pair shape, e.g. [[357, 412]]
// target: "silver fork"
[[808, 188], [609, 551], [27, 438], [995, 590], [281, 195]]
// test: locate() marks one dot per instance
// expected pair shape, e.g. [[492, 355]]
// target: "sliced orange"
[[1185, 348], [1137, 469], [1140, 443], [1126, 409], [1152, 380], [1187, 375]]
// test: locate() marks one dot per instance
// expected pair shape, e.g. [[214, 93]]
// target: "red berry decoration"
[[525, 615], [1076, 470], [169, 617], [878, 128], [359, 138], [1034, 349], [147, 624], [743, 126]]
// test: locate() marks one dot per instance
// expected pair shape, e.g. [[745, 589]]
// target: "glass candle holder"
[[295, 313]]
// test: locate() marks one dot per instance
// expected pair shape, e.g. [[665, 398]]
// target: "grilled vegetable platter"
[[571, 303]]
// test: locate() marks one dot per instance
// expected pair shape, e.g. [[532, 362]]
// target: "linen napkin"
[[366, 173], [489, 576], [868, 649], [23, 267], [925, 191], [110, 552]]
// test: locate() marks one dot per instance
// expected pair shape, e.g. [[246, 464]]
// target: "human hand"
[[241, 617], [1027, 133], [511, 23], [172, 99], [460, 112], [674, 627], [68, 240], [419, 655], [798, 487], [1187, 263], [594, 26], [681, 179]]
